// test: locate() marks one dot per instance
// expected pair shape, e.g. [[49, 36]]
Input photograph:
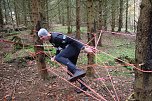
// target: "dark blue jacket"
[[59, 40]]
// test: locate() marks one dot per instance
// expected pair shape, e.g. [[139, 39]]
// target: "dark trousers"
[[68, 57]]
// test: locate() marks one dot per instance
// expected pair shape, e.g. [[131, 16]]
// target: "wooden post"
[[37, 24], [90, 29]]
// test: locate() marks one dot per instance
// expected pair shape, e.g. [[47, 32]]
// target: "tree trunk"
[[1, 16], [47, 14], [5, 12], [105, 14], [113, 11], [37, 22], [59, 12], [126, 30], [29, 13], [90, 30], [63, 20], [143, 81], [8, 2], [16, 9], [43, 13], [24, 12], [134, 16], [120, 16], [100, 26], [63, 13], [68, 17], [78, 19]]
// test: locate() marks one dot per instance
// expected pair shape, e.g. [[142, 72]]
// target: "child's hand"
[[88, 49], [53, 58]]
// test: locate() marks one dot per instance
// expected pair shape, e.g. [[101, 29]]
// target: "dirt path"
[[19, 80]]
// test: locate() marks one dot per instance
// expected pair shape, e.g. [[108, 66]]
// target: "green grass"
[[8, 57], [63, 29], [103, 58], [29, 49], [116, 73], [126, 51], [15, 32], [115, 46], [82, 60]]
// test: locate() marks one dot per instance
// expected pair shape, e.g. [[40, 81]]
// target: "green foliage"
[[51, 63], [8, 56], [83, 29], [129, 67], [60, 28], [82, 60], [120, 46], [111, 63], [102, 58], [117, 47], [118, 73], [51, 51], [30, 49], [118, 51], [15, 32], [63, 29]]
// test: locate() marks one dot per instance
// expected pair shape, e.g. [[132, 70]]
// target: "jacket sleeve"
[[75, 42], [58, 50]]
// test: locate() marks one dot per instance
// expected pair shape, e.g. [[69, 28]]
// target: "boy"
[[67, 52]]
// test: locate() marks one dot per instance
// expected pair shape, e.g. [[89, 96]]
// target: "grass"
[[18, 54], [124, 50], [113, 45], [126, 74], [8, 57], [116, 47], [15, 32], [63, 29], [111, 53]]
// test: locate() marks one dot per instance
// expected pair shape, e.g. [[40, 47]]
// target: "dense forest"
[[118, 31], [116, 15]]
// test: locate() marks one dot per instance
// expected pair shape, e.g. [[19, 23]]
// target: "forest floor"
[[20, 80]]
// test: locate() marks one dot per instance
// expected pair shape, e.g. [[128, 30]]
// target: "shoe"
[[83, 88], [78, 74]]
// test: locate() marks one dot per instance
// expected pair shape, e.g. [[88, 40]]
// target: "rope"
[[126, 63], [82, 82], [7, 41], [110, 80], [94, 53], [62, 77], [105, 86], [112, 85], [144, 71], [88, 87], [107, 72], [65, 79], [73, 84], [98, 38], [71, 74]]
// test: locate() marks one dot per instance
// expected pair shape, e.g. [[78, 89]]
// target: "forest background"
[[108, 25]]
